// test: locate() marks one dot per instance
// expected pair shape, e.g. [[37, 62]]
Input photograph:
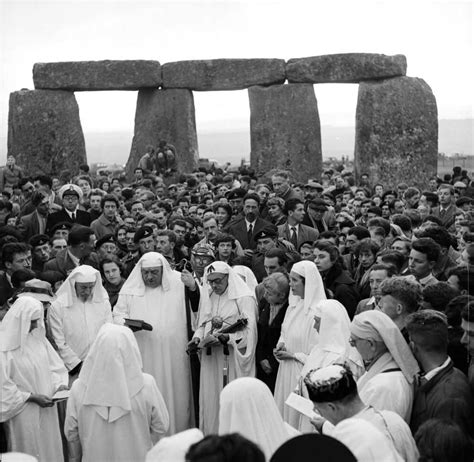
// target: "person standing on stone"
[[70, 195], [154, 293], [10, 174], [148, 160]]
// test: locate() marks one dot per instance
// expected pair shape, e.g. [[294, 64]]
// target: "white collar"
[[429, 375]]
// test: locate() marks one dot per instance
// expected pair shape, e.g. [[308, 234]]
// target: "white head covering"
[[83, 273], [365, 441], [313, 287], [18, 457], [134, 284], [378, 326], [247, 407], [247, 275], [237, 288], [174, 448], [17, 322], [112, 372], [334, 333]]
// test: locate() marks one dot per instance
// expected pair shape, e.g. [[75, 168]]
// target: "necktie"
[[442, 213], [249, 234], [73, 216], [294, 237]]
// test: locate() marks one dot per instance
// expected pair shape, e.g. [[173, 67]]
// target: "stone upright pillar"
[[45, 133], [165, 115], [284, 130], [396, 132]]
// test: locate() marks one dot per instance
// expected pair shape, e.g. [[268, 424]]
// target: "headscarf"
[[134, 285], [236, 288], [334, 333], [365, 441], [83, 273], [378, 326], [247, 407], [247, 275], [313, 287], [174, 448], [17, 322], [112, 372]]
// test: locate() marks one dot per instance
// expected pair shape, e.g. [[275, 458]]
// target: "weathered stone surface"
[[396, 131], [44, 132], [223, 74], [97, 75], [165, 115], [285, 130], [345, 68]]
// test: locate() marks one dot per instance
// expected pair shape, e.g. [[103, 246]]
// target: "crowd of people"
[[226, 317]]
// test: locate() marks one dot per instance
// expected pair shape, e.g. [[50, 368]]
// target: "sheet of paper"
[[61, 395], [302, 405]]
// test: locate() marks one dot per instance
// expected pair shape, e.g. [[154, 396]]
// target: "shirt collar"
[[429, 375]]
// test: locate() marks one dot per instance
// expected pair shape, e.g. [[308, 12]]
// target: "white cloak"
[[163, 349]]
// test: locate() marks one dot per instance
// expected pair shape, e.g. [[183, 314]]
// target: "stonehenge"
[[396, 117]]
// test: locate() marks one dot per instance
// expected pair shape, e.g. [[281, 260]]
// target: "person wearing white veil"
[[333, 325], [247, 407], [154, 293], [226, 299], [391, 368], [297, 334], [31, 373], [247, 275], [115, 412], [80, 309]]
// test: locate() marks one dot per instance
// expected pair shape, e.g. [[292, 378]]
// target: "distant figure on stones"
[[10, 174], [148, 160], [166, 158]]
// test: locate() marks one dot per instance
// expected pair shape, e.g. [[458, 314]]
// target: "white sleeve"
[[121, 310], [12, 400], [159, 418]]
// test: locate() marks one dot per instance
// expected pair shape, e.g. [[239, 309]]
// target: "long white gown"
[[34, 368], [164, 348], [126, 439]]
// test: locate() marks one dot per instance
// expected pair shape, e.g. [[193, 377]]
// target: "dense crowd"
[[225, 317]]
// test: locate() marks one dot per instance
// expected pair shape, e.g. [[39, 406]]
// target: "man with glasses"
[[71, 196]]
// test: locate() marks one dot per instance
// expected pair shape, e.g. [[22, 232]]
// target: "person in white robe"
[[174, 448], [333, 325], [298, 337], [247, 275], [115, 412], [31, 373], [365, 441], [391, 368], [333, 391], [154, 293], [247, 407], [225, 299], [80, 309]]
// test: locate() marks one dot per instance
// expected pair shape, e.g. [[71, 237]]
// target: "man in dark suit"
[[443, 391], [293, 230], [70, 194], [447, 210], [14, 256], [35, 223], [81, 243], [245, 228]]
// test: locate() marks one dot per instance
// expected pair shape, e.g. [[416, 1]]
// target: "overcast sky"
[[436, 37]]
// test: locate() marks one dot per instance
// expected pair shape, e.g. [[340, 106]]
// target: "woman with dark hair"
[[223, 214], [121, 240], [442, 440], [336, 279], [112, 280], [366, 253]]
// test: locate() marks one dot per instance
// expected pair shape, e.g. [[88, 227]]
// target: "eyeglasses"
[[216, 282]]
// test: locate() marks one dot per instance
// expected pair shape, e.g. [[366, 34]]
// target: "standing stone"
[[396, 132], [223, 74], [345, 68], [165, 115], [284, 130], [44, 132]]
